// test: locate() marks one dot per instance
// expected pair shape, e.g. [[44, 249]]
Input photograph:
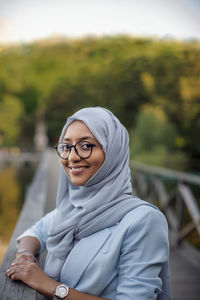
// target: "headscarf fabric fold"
[[103, 201]]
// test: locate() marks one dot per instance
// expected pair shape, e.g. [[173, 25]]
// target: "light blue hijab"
[[103, 200]]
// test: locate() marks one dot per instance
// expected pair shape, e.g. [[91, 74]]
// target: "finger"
[[16, 275], [21, 264], [16, 266], [11, 271]]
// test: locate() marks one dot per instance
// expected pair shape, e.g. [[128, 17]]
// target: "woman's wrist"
[[50, 287], [22, 250], [29, 244], [23, 254]]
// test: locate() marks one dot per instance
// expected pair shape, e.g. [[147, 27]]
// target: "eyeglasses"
[[83, 149]]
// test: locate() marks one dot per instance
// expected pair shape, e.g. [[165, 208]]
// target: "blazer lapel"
[[81, 255]]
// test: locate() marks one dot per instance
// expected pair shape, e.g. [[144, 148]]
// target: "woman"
[[102, 242]]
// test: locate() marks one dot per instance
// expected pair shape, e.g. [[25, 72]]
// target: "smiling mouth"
[[78, 170]]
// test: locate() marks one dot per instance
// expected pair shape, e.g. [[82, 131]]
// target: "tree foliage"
[[121, 73], [154, 140], [10, 113]]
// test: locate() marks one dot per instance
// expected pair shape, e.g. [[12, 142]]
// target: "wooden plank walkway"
[[185, 276]]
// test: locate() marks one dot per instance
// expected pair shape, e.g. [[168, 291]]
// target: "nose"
[[73, 156]]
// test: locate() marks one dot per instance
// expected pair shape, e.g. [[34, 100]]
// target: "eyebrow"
[[81, 139]]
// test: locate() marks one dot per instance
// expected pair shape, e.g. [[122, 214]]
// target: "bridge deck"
[[185, 276]]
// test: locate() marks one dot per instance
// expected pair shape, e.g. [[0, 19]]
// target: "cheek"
[[100, 161], [65, 164]]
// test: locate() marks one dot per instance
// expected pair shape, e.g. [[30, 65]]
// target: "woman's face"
[[78, 169]]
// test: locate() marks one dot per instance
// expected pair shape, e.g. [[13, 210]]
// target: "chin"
[[77, 182]]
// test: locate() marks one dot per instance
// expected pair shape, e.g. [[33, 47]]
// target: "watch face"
[[62, 291]]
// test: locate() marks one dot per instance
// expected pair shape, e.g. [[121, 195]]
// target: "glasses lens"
[[84, 149], [63, 150]]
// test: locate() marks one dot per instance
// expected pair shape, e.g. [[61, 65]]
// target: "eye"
[[85, 146], [65, 147]]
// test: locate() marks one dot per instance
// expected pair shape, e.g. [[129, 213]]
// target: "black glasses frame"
[[74, 146]]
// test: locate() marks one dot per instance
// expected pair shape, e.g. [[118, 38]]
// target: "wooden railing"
[[174, 193], [19, 158], [32, 211]]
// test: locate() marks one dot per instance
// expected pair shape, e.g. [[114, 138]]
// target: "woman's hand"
[[30, 273]]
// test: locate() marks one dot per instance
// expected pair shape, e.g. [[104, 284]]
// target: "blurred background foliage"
[[14, 183], [153, 87], [9, 192]]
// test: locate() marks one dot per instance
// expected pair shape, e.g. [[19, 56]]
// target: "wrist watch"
[[61, 292]]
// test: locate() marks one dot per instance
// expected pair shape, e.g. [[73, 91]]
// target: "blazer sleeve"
[[40, 230], [145, 248]]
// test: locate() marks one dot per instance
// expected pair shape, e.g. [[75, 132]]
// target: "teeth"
[[80, 168]]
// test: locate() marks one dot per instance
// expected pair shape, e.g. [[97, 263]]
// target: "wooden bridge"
[[173, 192]]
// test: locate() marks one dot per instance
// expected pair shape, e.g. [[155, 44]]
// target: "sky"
[[27, 20]]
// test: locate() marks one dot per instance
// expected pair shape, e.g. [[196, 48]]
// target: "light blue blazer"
[[128, 261]]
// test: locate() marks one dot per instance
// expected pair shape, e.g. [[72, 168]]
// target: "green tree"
[[10, 114], [154, 140]]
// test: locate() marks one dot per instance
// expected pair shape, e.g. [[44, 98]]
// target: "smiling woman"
[[102, 241]]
